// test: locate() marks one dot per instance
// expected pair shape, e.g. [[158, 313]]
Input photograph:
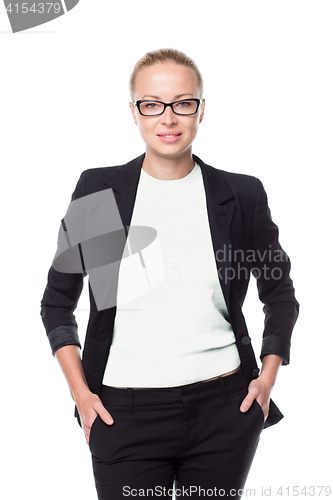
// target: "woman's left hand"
[[260, 391]]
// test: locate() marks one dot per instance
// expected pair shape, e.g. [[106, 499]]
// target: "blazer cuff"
[[63, 335], [275, 344]]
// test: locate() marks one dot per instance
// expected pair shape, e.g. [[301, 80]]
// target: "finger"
[[103, 413], [246, 403]]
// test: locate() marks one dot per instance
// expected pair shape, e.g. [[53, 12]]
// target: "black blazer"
[[245, 241]]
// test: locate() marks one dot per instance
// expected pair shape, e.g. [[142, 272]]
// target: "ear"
[[133, 112], [202, 110]]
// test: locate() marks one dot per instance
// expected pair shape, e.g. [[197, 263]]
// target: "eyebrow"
[[158, 98]]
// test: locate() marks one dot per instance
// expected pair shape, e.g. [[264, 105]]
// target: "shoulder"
[[241, 182], [89, 181], [96, 179], [242, 186], [96, 174], [248, 190]]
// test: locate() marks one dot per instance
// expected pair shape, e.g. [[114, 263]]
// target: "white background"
[[267, 68]]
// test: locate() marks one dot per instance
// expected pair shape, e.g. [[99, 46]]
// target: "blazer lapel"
[[220, 208], [125, 187]]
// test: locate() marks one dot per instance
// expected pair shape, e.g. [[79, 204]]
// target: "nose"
[[169, 117]]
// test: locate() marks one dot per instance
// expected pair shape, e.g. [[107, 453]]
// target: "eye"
[[186, 107], [184, 104], [151, 105]]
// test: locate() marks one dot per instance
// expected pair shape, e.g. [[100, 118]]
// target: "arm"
[[58, 304], [275, 287], [61, 296], [276, 292], [88, 404]]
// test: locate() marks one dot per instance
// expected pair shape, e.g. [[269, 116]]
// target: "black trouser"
[[192, 437]]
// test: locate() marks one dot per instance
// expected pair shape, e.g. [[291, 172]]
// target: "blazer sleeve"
[[271, 268], [61, 296]]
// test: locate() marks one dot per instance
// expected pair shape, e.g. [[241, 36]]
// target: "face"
[[167, 82]]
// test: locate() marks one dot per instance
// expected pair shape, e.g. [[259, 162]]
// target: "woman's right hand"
[[89, 406]]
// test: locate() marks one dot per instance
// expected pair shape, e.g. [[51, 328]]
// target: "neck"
[[168, 168]]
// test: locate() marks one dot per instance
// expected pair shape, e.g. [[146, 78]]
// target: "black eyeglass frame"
[[165, 104]]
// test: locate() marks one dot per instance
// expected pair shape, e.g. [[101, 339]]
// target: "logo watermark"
[[28, 14]]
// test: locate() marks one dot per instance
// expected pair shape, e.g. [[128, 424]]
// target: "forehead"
[[166, 80]]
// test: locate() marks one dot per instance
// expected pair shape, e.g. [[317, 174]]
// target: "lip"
[[176, 137]]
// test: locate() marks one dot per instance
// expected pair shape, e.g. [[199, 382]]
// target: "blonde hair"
[[161, 56]]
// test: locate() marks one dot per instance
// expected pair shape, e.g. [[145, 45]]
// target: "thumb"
[[246, 403], [103, 413]]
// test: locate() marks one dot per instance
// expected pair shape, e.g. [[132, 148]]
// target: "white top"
[[171, 326]]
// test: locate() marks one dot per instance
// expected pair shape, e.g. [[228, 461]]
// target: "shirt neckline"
[[171, 183]]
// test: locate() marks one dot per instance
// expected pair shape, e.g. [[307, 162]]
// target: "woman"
[[168, 392]]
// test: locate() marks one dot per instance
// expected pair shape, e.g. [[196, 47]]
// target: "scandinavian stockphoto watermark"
[[125, 263], [193, 264], [28, 14]]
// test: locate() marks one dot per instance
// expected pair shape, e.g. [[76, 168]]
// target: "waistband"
[[166, 395]]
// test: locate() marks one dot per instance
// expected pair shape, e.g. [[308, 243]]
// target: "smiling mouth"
[[168, 135]]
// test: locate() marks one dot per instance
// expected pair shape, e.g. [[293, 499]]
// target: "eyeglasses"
[[155, 108]]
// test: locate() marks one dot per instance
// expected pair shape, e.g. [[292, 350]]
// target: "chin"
[[169, 151], [169, 154]]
